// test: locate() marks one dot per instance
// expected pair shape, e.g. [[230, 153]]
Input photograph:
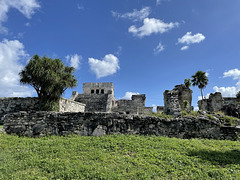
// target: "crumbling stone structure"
[[35, 124], [134, 106], [16, 104], [216, 102], [99, 97], [178, 99]]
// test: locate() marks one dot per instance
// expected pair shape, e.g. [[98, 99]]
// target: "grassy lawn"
[[117, 157]]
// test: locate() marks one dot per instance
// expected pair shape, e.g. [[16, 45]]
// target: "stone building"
[[99, 97], [178, 99], [216, 102]]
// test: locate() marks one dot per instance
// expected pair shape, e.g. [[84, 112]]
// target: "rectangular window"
[[102, 91], [92, 91], [97, 91]]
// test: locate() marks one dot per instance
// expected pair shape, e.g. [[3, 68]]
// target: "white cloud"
[[188, 38], [80, 7], [185, 48], [11, 53], [158, 2], [27, 24], [119, 51], [102, 68], [135, 15], [204, 97], [159, 48], [208, 72], [128, 95], [150, 26], [226, 91], [154, 107], [26, 7], [235, 73], [230, 91], [75, 60]]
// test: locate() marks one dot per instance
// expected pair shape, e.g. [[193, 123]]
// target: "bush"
[[238, 95]]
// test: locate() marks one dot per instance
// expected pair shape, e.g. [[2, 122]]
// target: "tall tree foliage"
[[50, 78], [200, 80]]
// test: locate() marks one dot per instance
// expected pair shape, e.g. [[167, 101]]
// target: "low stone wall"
[[66, 105], [15, 104], [37, 124]]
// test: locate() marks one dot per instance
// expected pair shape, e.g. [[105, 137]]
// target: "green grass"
[[191, 114], [117, 157]]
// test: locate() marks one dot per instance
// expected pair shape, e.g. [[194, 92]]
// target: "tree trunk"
[[202, 93]]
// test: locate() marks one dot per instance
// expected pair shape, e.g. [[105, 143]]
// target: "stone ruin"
[[16, 104], [96, 112], [177, 100], [216, 102], [99, 97]]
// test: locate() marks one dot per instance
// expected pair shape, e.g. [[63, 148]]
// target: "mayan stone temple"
[[99, 97]]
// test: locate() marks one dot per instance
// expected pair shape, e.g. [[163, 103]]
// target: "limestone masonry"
[[35, 124], [177, 100], [216, 102], [16, 104], [99, 97], [96, 112]]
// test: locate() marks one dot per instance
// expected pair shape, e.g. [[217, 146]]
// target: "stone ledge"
[[40, 123]]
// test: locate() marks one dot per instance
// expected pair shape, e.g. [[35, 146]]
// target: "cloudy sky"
[[142, 46]]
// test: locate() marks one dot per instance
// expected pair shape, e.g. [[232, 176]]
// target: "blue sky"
[[142, 46]]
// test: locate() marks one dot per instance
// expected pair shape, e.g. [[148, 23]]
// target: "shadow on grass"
[[217, 157]]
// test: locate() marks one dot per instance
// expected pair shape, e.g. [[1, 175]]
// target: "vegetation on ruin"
[[216, 116], [200, 80], [50, 78], [238, 95], [187, 82], [117, 157], [190, 114]]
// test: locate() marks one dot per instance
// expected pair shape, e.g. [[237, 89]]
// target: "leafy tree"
[[238, 95], [187, 83], [200, 80], [50, 78]]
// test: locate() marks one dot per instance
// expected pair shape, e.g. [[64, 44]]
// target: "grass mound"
[[117, 157]]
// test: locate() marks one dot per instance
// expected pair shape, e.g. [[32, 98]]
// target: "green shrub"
[[192, 113], [210, 116], [238, 95]]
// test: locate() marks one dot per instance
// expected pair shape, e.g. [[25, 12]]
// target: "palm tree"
[[200, 79]]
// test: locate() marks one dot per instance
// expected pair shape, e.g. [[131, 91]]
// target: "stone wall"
[[213, 103], [66, 105], [184, 95], [229, 100], [15, 104], [36, 124], [216, 102], [171, 104], [95, 102], [177, 100], [134, 106]]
